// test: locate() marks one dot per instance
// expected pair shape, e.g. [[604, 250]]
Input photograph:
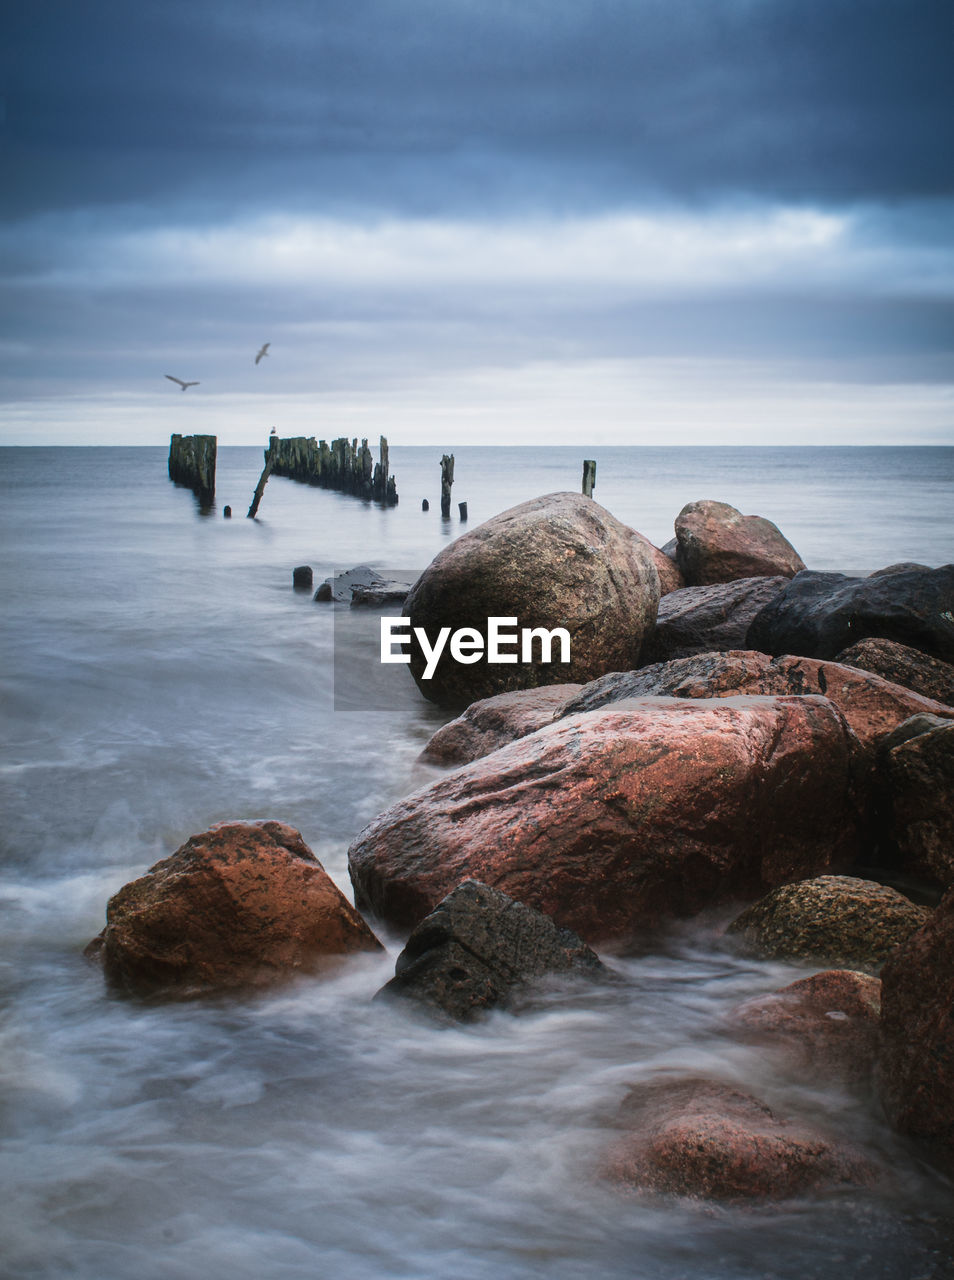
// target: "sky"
[[478, 221]]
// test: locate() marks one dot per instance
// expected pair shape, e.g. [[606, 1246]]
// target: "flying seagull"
[[182, 384], [263, 352]]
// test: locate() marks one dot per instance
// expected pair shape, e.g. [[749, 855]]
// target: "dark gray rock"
[[477, 949], [709, 618], [363, 586], [302, 577], [819, 614]]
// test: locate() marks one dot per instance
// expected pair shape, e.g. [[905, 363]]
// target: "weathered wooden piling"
[[425, 505], [192, 464], [589, 477], [447, 479], [342, 465], [263, 478], [462, 508]]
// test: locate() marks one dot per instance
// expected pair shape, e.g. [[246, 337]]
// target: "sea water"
[[159, 674]]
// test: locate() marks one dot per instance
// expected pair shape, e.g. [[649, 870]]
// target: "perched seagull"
[[263, 352], [182, 384]]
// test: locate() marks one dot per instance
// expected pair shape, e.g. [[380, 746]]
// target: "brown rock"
[[873, 707], [716, 543], [493, 722], [838, 919], [613, 820], [916, 798], [826, 1024], [706, 1140], [708, 619], [903, 665], [242, 904], [558, 561], [916, 1062], [670, 575]]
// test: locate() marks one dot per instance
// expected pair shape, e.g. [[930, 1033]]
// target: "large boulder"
[[838, 919], [916, 798], [493, 722], [826, 1024], [556, 561], [670, 575], [242, 904], [916, 1062], [708, 619], [478, 949], [903, 665], [614, 820], [716, 543], [706, 1140], [820, 614], [873, 707]]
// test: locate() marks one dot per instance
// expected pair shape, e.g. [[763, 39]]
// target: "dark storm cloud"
[[424, 105]]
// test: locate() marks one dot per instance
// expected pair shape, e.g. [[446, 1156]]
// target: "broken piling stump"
[[447, 479], [342, 466], [263, 478], [192, 464], [589, 477]]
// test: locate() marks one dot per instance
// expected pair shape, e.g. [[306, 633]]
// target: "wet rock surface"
[[363, 586], [614, 820], [916, 1061], [818, 615], [708, 619], [478, 949], [670, 575], [242, 904], [706, 1140], [916, 798], [903, 665], [716, 543], [838, 919], [493, 722], [557, 561]]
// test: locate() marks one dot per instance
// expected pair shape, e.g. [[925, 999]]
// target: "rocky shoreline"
[[735, 733]]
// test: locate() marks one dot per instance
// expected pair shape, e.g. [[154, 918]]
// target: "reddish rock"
[[706, 1140], [670, 575], [242, 904], [826, 1024], [916, 798], [493, 722], [613, 820], [903, 665], [716, 543], [840, 919], [708, 619], [916, 1061], [873, 707], [558, 561]]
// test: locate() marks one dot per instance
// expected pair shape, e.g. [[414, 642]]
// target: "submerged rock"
[[708, 619], [899, 663], [826, 1024], [839, 919], [716, 543], [363, 586], [706, 1140], [477, 949], [916, 1062], [242, 904], [614, 820], [820, 614], [493, 722], [557, 561]]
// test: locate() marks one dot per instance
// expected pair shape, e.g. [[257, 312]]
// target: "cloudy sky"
[[468, 221]]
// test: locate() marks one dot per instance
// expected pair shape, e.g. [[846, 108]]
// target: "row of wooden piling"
[[341, 465]]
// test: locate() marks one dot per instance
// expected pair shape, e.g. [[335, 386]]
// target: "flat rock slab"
[[826, 1024], [716, 543], [242, 904], [493, 722], [873, 707], [706, 1140], [903, 665], [916, 1065], [612, 821], [820, 614], [477, 949], [839, 919]]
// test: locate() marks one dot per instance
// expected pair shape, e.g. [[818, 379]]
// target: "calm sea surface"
[[160, 674]]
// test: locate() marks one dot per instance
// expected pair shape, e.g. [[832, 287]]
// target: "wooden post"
[[589, 477], [192, 464], [447, 479], [462, 508], [270, 457]]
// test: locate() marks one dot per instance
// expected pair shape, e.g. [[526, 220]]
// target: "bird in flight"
[[182, 384], [263, 352]]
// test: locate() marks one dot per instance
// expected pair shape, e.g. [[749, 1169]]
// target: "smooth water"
[[160, 674]]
